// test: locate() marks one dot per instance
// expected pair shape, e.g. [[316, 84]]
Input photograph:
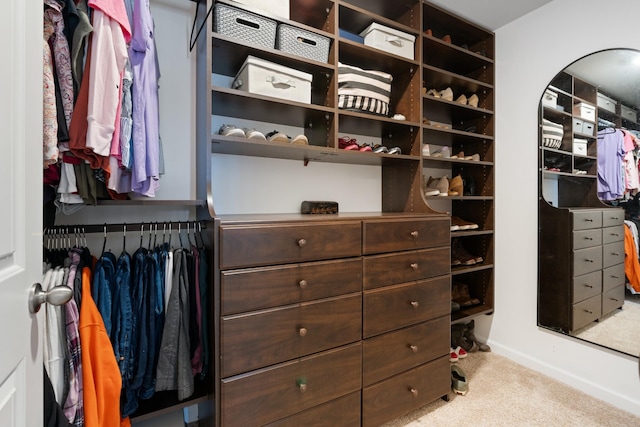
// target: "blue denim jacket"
[[103, 288]]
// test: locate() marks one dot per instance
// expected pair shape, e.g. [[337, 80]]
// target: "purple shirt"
[[145, 169], [610, 171]]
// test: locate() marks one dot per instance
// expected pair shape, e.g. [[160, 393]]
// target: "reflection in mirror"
[[589, 201]]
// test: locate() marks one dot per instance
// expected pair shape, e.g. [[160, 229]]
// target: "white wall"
[[529, 52]]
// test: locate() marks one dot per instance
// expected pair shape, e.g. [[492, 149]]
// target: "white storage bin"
[[266, 78], [550, 99], [580, 146], [588, 128], [577, 125], [606, 103], [628, 113], [275, 7], [584, 110], [389, 40]]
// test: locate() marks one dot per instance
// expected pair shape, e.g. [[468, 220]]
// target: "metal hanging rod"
[[127, 227]]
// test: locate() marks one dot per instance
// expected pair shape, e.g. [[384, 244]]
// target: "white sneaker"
[[431, 187], [230, 130], [254, 134], [443, 152], [300, 140], [425, 150]]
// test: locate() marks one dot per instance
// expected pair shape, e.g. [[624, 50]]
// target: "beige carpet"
[[504, 393], [619, 330]]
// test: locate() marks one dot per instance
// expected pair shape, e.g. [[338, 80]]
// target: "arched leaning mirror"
[[589, 208]]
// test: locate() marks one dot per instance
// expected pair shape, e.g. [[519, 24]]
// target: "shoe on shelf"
[[380, 149], [395, 150], [276, 136], [456, 186], [254, 134], [473, 100], [399, 116], [459, 383], [462, 224], [443, 186], [447, 94], [460, 294], [431, 187], [300, 140], [444, 152], [347, 143], [230, 130], [365, 147], [462, 99], [475, 157], [454, 306], [434, 93], [461, 156], [459, 253], [447, 39], [428, 32], [426, 152], [453, 356], [469, 186]]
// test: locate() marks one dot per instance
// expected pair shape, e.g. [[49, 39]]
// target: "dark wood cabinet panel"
[[399, 235], [344, 412], [402, 267]]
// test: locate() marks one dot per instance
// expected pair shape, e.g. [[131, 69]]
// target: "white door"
[[20, 212]]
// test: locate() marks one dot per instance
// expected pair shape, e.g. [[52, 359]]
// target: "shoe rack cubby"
[[457, 54], [581, 239], [465, 65]]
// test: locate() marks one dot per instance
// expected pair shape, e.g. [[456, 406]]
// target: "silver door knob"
[[57, 296]]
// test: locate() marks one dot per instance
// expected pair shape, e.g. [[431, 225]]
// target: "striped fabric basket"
[[551, 134], [363, 90]]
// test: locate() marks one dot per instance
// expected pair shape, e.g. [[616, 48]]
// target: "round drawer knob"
[[414, 348], [414, 392], [414, 304], [414, 234], [414, 266], [302, 332], [302, 283], [302, 242], [303, 387]]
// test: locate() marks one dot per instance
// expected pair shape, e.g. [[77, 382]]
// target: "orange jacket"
[[631, 264], [100, 373]]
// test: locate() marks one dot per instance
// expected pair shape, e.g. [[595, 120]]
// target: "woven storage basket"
[[244, 25], [297, 41], [551, 134]]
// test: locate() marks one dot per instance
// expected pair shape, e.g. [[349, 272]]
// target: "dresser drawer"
[[394, 307], [587, 285], [263, 338], [612, 277], [285, 243], [258, 288], [612, 254], [343, 412], [388, 400], [394, 352], [274, 393], [586, 219], [587, 311], [389, 269], [392, 235], [613, 234], [587, 260], [612, 299], [587, 238], [611, 217]]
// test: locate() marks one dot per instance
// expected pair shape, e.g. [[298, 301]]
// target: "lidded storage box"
[[275, 7], [580, 146], [628, 113], [584, 110], [240, 24], [297, 41], [390, 40], [606, 103], [267, 78], [550, 99]]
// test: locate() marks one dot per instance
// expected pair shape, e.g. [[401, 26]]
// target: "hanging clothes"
[[611, 152]]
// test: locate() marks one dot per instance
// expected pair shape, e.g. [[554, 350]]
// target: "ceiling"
[[491, 14]]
